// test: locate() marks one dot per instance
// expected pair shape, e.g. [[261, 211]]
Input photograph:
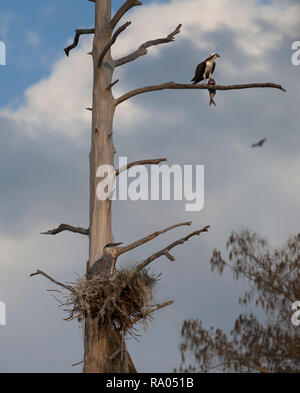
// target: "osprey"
[[107, 261], [205, 69], [259, 144]]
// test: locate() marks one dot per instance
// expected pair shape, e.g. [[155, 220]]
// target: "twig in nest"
[[115, 354]]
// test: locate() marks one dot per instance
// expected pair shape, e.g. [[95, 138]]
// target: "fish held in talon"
[[212, 92]]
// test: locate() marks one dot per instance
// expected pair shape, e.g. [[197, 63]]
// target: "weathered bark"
[[102, 150], [101, 340], [105, 350]]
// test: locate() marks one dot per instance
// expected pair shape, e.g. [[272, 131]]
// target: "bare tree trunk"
[[102, 341], [105, 350], [102, 151], [104, 347]]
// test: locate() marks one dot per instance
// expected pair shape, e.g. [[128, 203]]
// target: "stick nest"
[[122, 298]]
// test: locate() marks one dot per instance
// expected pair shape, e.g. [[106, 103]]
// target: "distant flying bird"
[[205, 69], [259, 144], [212, 92]]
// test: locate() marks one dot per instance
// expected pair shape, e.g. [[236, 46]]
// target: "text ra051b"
[[172, 382]]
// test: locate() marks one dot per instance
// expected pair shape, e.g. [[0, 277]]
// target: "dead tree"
[[99, 350]]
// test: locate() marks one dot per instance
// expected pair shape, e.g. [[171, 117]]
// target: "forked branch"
[[66, 227], [154, 161], [111, 42], [204, 86], [122, 11], [146, 239], [78, 33], [142, 50], [165, 251]]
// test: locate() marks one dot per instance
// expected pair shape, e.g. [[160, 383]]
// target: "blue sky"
[[54, 22], [44, 146]]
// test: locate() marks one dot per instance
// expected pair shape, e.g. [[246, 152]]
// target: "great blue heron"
[[107, 262]]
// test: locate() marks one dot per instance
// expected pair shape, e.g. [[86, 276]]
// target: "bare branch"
[[203, 86], [111, 42], [112, 84], [78, 33], [82, 361], [146, 239], [142, 50], [122, 11], [66, 227], [159, 306], [153, 309], [154, 161], [166, 250], [39, 272]]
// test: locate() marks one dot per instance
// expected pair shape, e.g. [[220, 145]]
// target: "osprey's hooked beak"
[[218, 55]]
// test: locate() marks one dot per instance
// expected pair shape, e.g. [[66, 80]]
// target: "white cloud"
[[22, 255], [258, 28], [58, 103]]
